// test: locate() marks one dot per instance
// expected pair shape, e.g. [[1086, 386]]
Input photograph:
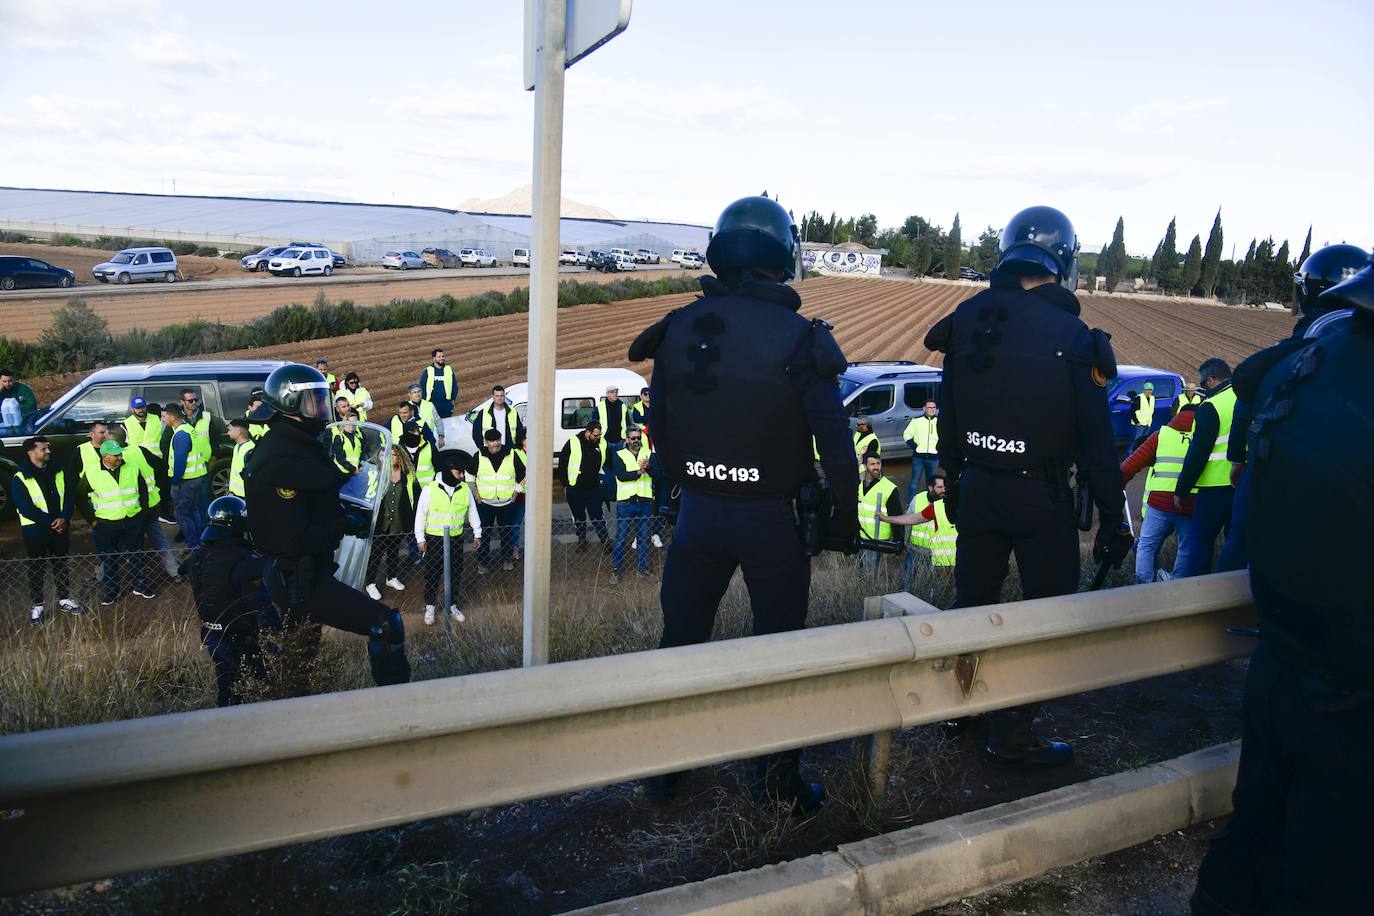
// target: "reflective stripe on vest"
[[642, 486], [423, 459], [236, 467], [36, 494], [356, 400], [1169, 455], [925, 432], [90, 459], [944, 539], [487, 420], [496, 485], [145, 469], [1145, 416], [352, 447], [1217, 473], [431, 377], [919, 536], [147, 433], [197, 457], [575, 458], [602, 415], [114, 497], [446, 510], [870, 504]]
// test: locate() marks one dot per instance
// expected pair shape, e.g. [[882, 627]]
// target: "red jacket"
[[1144, 456]]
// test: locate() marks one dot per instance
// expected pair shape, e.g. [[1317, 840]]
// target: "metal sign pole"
[[448, 590], [548, 181]]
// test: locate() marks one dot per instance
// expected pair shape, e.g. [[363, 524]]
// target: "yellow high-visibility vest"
[[424, 464], [352, 446], [1217, 473], [1145, 416], [197, 457], [136, 457], [90, 458], [446, 510], [431, 376], [643, 485], [114, 494], [870, 504], [497, 484], [356, 400], [924, 431], [861, 443], [146, 432], [36, 494], [575, 458], [241, 451]]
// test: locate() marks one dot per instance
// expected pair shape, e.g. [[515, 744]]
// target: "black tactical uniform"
[[297, 523], [1023, 399], [1298, 841], [736, 508], [226, 582]]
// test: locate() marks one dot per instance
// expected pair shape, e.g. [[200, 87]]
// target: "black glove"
[[1113, 543]]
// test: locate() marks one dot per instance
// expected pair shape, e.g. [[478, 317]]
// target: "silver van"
[[890, 393], [138, 264]]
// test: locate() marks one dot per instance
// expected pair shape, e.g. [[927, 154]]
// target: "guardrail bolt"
[[927, 630], [996, 619]]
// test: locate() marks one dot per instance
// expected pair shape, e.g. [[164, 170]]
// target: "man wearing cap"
[[188, 468], [143, 430], [1143, 415], [639, 413], [255, 429], [866, 444], [614, 415], [119, 496]]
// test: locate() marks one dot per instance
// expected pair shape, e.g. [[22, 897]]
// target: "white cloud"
[[1166, 114]]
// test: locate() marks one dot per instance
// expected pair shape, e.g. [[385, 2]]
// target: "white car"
[[691, 260], [625, 262], [403, 260], [677, 255], [520, 257], [568, 256], [647, 256], [298, 262], [475, 257]]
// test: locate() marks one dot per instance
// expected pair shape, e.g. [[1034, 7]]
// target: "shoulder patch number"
[[997, 444], [706, 471]]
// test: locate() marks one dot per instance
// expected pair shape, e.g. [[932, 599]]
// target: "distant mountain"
[[521, 200]]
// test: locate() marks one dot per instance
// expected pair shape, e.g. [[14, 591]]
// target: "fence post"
[[448, 590]]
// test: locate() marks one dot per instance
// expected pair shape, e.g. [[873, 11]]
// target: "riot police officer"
[[1298, 840], [744, 335], [226, 582], [297, 523], [1323, 269], [1008, 457]]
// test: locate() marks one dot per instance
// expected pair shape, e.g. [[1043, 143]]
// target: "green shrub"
[[206, 251], [7, 236], [181, 247], [232, 255], [63, 240], [24, 358], [78, 339]]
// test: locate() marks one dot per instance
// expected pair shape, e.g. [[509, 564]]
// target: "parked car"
[[520, 257], [691, 260], [22, 273], [258, 261], [968, 273], [575, 391], [138, 264], [440, 257], [890, 393], [647, 256], [603, 261], [623, 251], [677, 255], [297, 262], [567, 256], [338, 259], [624, 261], [403, 260], [223, 386], [1129, 382], [476, 257]]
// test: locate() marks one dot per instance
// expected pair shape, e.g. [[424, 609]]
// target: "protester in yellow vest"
[[151, 520], [438, 385], [80, 464], [119, 495], [357, 396], [322, 366], [1190, 397], [188, 468], [142, 430], [1142, 414], [1163, 454], [877, 495], [42, 500], [580, 464], [500, 475], [256, 430], [243, 446], [932, 530], [1206, 466], [634, 503], [346, 447], [447, 501], [405, 413], [865, 442], [922, 436]]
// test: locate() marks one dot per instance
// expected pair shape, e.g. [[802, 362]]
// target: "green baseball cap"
[[1149, 386], [111, 447]]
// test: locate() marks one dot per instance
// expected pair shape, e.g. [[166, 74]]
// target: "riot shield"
[[369, 458]]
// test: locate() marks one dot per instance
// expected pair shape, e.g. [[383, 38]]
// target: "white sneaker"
[[1163, 575], [374, 592], [457, 614], [634, 545], [396, 584], [658, 541], [36, 615], [70, 606], [429, 615]]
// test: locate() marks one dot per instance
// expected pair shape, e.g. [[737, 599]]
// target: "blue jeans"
[[518, 524], [632, 513], [1156, 528], [158, 540], [1235, 553], [921, 466], [190, 500], [113, 541], [1211, 514]]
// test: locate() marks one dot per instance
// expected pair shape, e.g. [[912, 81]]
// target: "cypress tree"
[[1192, 267], [1115, 268], [1165, 266], [953, 249], [920, 261], [1281, 287], [1211, 259], [1306, 248]]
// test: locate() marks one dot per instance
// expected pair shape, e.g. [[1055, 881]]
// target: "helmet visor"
[[314, 399]]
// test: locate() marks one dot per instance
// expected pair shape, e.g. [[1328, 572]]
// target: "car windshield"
[[411, 254], [847, 387], [291, 253], [392, 254], [123, 257]]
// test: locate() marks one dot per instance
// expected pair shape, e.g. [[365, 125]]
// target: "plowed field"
[[874, 319]]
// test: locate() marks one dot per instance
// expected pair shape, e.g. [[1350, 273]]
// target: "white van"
[[301, 261], [138, 264], [576, 392], [520, 257], [625, 253], [677, 255]]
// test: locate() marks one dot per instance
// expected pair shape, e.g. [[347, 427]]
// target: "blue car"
[[1129, 382]]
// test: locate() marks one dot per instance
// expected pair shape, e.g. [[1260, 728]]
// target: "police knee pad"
[[388, 633]]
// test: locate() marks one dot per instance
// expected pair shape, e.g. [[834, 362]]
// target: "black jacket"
[[589, 474], [226, 580], [293, 489], [47, 485], [1206, 428]]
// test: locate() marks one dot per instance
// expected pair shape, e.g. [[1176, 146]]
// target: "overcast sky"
[[1102, 109]]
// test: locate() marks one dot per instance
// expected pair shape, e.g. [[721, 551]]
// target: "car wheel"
[[6, 282], [328, 271], [219, 482], [170, 276], [65, 282], [262, 267], [124, 279], [296, 272]]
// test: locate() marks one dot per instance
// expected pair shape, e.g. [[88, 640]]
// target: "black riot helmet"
[[1323, 269], [1356, 292], [753, 232], [1040, 240], [299, 391], [227, 517]]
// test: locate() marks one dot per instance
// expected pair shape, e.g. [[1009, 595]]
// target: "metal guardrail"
[[96, 800]]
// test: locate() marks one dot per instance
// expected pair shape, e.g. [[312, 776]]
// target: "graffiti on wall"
[[840, 261]]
